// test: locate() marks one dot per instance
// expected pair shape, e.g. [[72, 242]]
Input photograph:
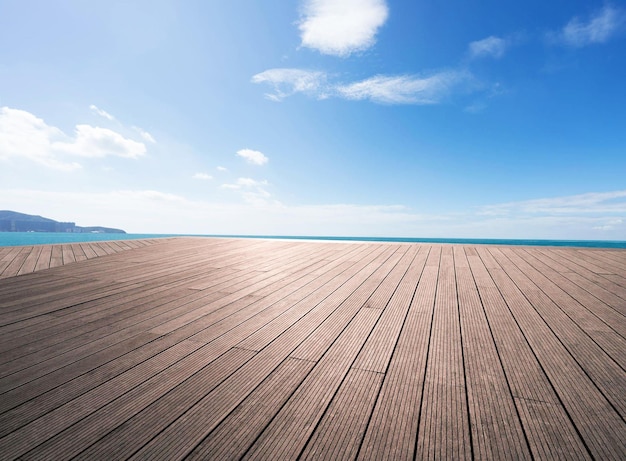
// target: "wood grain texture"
[[221, 348]]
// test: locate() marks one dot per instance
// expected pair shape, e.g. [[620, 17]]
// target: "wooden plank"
[[44, 258], [337, 288], [236, 388], [88, 250], [31, 261], [601, 262], [377, 288], [56, 258], [16, 263], [590, 357], [496, 430], [123, 310], [615, 256], [444, 426], [8, 258], [392, 430], [582, 271], [339, 433], [26, 403], [580, 331], [289, 431], [231, 438], [312, 350], [548, 427], [129, 415], [600, 426], [379, 347], [79, 253], [68, 254], [19, 442]]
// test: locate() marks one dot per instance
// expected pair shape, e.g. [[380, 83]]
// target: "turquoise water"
[[38, 238]]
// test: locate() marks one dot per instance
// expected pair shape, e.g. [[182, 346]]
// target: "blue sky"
[[317, 117]]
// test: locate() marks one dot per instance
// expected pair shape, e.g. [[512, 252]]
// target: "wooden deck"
[[202, 349]]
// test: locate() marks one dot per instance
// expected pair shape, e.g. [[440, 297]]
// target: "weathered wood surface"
[[196, 348], [21, 260]]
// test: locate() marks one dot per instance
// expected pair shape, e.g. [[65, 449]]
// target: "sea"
[[46, 238]]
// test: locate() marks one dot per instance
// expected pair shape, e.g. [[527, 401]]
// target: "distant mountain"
[[12, 221]]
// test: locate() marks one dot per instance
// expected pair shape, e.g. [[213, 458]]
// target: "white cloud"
[[257, 213], [287, 82], [23, 135], [245, 182], [610, 225], [93, 141], [386, 89], [202, 176], [599, 29], [96, 110], [251, 190], [582, 204], [145, 135], [405, 89], [253, 156], [221, 168], [341, 27], [249, 182], [488, 47]]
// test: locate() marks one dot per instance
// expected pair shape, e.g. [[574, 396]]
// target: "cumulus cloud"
[[221, 168], [341, 27], [253, 156], [23, 135], [601, 27], [102, 113], [488, 47], [404, 89], [202, 176], [287, 82]]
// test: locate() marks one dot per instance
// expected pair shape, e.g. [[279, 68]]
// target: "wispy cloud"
[[258, 213], [590, 203], [287, 82], [102, 113], [609, 225], [252, 191], [601, 27], [405, 89], [145, 135], [341, 27], [245, 182], [202, 176], [492, 46], [221, 168], [384, 89], [253, 156]]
